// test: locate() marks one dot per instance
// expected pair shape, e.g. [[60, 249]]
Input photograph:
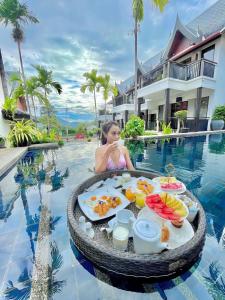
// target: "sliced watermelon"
[[168, 210]]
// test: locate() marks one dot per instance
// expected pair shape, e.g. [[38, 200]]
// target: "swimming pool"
[[38, 188]]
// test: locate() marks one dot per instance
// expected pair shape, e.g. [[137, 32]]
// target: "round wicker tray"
[[100, 251]]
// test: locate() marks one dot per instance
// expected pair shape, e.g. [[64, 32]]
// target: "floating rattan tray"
[[100, 251]]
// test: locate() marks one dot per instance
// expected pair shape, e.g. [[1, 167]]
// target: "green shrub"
[[23, 133], [134, 127], [89, 139], [148, 132], [2, 142], [61, 143], [166, 128], [219, 113], [181, 114]]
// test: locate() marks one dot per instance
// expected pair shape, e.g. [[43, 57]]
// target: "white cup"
[[120, 238], [120, 142], [125, 218]]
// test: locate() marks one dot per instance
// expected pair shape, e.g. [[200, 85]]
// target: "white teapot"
[[146, 237]]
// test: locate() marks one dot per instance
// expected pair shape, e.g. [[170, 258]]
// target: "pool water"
[[33, 221]]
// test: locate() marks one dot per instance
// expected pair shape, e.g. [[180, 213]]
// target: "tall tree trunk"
[[48, 113], [135, 75], [23, 76], [105, 110], [96, 116], [34, 108]]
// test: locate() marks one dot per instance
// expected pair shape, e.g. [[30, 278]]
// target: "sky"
[[75, 36]]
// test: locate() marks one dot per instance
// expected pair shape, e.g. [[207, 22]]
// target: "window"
[[178, 106], [204, 107], [208, 53]]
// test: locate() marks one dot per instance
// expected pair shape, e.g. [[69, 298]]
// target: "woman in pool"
[[111, 155]]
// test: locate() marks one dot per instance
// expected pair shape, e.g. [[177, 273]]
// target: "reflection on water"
[[53, 175]]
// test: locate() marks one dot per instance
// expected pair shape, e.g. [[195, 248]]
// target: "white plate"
[[113, 182], [178, 236], [181, 191], [94, 186], [104, 191], [133, 184]]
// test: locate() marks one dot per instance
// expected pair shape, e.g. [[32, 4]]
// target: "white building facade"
[[4, 125], [187, 75]]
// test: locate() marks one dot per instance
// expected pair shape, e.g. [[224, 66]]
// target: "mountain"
[[72, 119]]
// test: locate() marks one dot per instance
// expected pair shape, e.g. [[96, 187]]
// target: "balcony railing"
[[193, 70], [180, 71]]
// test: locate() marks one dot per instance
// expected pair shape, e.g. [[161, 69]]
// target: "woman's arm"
[[128, 160], [101, 159], [102, 155]]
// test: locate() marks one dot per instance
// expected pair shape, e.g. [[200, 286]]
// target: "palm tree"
[[107, 87], [138, 15], [92, 84], [46, 82], [16, 14], [32, 87]]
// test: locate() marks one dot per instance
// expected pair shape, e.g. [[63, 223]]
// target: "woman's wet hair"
[[105, 129]]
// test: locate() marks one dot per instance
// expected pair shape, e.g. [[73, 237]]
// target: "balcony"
[[180, 71], [181, 77]]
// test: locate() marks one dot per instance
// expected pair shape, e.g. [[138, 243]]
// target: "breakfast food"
[[130, 195], [172, 186], [144, 186], [101, 208], [177, 223], [167, 206], [165, 234], [105, 204], [163, 180]]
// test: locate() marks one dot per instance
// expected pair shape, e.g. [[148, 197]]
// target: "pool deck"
[[9, 156], [176, 135]]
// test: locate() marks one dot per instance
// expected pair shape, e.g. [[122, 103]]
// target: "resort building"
[[5, 90], [4, 125], [187, 75]]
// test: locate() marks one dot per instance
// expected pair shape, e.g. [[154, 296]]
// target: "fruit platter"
[[167, 206], [148, 212], [170, 184]]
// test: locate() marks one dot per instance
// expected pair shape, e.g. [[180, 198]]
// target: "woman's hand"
[[111, 148]]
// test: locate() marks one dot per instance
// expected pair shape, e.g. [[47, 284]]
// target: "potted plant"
[[9, 108], [134, 127], [181, 116], [218, 118]]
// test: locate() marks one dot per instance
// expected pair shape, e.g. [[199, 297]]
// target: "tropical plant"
[[136, 150], [31, 89], [47, 83], [16, 14], [23, 133], [2, 142], [219, 113], [181, 116], [138, 15], [215, 281], [9, 107], [166, 128], [134, 127], [92, 84], [107, 88]]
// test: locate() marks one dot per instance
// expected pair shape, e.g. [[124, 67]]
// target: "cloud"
[[74, 37]]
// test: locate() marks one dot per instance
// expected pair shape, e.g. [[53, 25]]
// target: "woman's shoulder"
[[124, 149], [100, 149]]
